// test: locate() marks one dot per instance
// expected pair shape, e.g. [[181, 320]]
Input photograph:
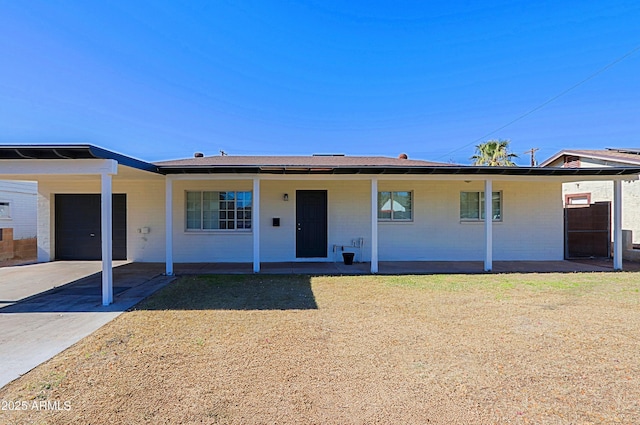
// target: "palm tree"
[[494, 153]]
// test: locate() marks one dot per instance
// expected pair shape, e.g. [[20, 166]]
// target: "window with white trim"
[[228, 210], [395, 206], [5, 209], [472, 206]]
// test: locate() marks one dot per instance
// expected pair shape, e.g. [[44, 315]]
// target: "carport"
[[42, 162], [45, 308]]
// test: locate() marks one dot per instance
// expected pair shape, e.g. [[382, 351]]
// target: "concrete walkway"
[[46, 308]]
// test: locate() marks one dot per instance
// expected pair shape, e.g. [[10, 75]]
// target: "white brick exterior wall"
[[22, 199], [208, 246], [349, 217], [531, 229], [145, 208]]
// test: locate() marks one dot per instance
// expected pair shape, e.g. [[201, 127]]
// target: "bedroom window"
[[218, 211], [472, 206], [395, 206]]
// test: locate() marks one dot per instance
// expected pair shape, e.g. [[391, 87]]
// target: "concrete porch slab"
[[404, 267]]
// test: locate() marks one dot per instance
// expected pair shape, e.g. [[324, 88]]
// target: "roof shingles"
[[299, 161]]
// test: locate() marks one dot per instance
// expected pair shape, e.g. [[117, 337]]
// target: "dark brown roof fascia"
[[424, 170]]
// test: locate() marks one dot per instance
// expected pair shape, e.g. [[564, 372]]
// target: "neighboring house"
[[18, 212], [589, 192], [259, 209]]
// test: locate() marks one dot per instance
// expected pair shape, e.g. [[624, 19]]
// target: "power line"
[[542, 105]]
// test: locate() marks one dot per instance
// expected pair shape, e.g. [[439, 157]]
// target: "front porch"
[[404, 267]]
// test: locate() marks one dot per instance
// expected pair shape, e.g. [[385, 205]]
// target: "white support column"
[[106, 218], [255, 224], [374, 225], [488, 225], [168, 214], [617, 225]]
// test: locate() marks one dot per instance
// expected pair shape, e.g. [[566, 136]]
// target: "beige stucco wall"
[[603, 191]]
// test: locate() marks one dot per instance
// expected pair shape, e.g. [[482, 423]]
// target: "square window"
[[395, 206], [213, 210], [472, 206]]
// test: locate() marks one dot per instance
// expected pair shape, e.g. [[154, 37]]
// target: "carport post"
[[374, 225], [107, 238], [617, 224], [488, 225], [168, 207], [255, 223]]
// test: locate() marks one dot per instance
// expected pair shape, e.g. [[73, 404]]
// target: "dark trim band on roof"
[[415, 170], [72, 152]]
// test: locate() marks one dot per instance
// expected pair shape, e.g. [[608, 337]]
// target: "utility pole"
[[533, 151]]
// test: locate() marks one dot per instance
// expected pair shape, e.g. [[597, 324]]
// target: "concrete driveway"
[[45, 308]]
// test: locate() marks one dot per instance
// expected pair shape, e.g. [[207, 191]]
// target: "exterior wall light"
[[285, 197]]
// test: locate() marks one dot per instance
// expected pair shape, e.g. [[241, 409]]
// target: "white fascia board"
[[34, 167]]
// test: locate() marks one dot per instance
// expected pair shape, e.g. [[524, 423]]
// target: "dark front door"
[[311, 223], [78, 227]]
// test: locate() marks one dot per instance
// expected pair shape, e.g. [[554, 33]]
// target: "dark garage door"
[[78, 229]]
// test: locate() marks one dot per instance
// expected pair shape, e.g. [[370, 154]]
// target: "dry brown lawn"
[[514, 348]]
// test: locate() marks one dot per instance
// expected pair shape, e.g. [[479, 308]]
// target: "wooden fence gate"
[[587, 230]]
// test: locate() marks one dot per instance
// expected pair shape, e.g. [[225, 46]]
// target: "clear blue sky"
[[161, 80]]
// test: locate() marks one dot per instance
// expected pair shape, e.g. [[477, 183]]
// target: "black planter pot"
[[348, 258]]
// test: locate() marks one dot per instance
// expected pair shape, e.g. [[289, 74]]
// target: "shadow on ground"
[[132, 283], [235, 292]]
